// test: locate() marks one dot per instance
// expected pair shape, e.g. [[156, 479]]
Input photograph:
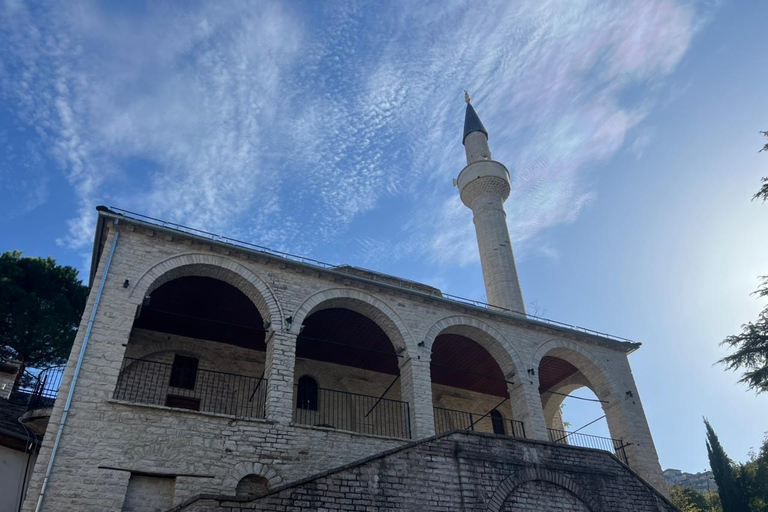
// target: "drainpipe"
[[77, 372]]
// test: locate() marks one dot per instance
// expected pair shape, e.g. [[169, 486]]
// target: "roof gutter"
[[79, 365]]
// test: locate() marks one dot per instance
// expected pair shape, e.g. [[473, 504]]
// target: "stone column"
[[416, 389], [526, 407], [279, 370], [627, 421]]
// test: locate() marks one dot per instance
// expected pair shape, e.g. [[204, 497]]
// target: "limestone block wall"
[[103, 442], [462, 471]]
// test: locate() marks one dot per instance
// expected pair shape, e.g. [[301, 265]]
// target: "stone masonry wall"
[[462, 472], [104, 442]]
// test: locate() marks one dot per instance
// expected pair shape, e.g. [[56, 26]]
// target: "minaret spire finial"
[[466, 97]]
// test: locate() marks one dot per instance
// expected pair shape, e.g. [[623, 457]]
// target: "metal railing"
[[370, 275], [616, 446], [155, 383], [350, 411], [451, 419], [46, 388], [38, 391]]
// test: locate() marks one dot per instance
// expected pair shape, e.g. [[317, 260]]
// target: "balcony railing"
[[39, 391], [46, 388], [350, 411], [154, 383], [450, 419], [615, 446]]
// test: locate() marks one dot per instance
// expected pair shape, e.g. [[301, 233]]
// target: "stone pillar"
[[279, 370], [526, 407], [416, 389], [627, 421]]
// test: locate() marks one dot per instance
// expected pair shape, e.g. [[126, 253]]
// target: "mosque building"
[[213, 374]]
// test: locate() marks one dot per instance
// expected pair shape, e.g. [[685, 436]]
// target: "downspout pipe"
[[77, 372]]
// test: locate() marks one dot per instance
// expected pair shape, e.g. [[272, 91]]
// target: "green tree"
[[40, 308], [751, 345], [689, 500], [733, 494], [763, 192], [755, 476]]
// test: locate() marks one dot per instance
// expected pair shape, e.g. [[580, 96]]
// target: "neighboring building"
[[703, 482], [23, 419], [211, 374]]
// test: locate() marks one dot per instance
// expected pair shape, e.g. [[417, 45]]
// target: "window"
[[307, 394], [251, 485], [183, 372], [498, 423]]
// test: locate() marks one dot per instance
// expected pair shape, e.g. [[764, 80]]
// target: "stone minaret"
[[484, 186]]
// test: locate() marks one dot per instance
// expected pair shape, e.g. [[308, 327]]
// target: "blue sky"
[[334, 130]]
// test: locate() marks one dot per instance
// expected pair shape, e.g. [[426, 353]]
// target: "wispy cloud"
[[287, 124]]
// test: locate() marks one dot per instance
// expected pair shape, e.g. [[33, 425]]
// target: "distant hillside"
[[702, 482]]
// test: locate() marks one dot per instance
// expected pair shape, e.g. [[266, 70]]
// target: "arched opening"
[[469, 388], [197, 343], [251, 485], [575, 410], [354, 366], [548, 497], [497, 420], [306, 396]]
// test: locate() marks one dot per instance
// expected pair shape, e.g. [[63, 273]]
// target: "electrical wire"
[[575, 397]]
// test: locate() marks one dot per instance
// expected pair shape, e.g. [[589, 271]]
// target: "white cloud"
[[286, 126]]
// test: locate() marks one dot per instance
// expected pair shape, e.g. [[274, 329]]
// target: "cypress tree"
[[731, 488]]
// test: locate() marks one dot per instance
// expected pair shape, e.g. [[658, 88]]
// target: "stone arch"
[[551, 402], [487, 336], [503, 353], [244, 469], [598, 378], [533, 473], [217, 267], [360, 302]]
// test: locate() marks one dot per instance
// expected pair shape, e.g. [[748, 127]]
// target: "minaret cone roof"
[[472, 123]]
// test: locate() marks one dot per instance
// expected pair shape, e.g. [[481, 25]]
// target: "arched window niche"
[[252, 485]]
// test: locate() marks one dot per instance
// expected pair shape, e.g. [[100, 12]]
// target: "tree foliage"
[[40, 308], [691, 500], [763, 192], [742, 487], [751, 348], [751, 345], [755, 475]]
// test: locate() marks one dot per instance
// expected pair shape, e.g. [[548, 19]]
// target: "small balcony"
[[37, 395], [191, 388], [615, 446]]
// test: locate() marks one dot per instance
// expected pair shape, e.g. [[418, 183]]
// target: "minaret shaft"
[[499, 271], [484, 185]]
